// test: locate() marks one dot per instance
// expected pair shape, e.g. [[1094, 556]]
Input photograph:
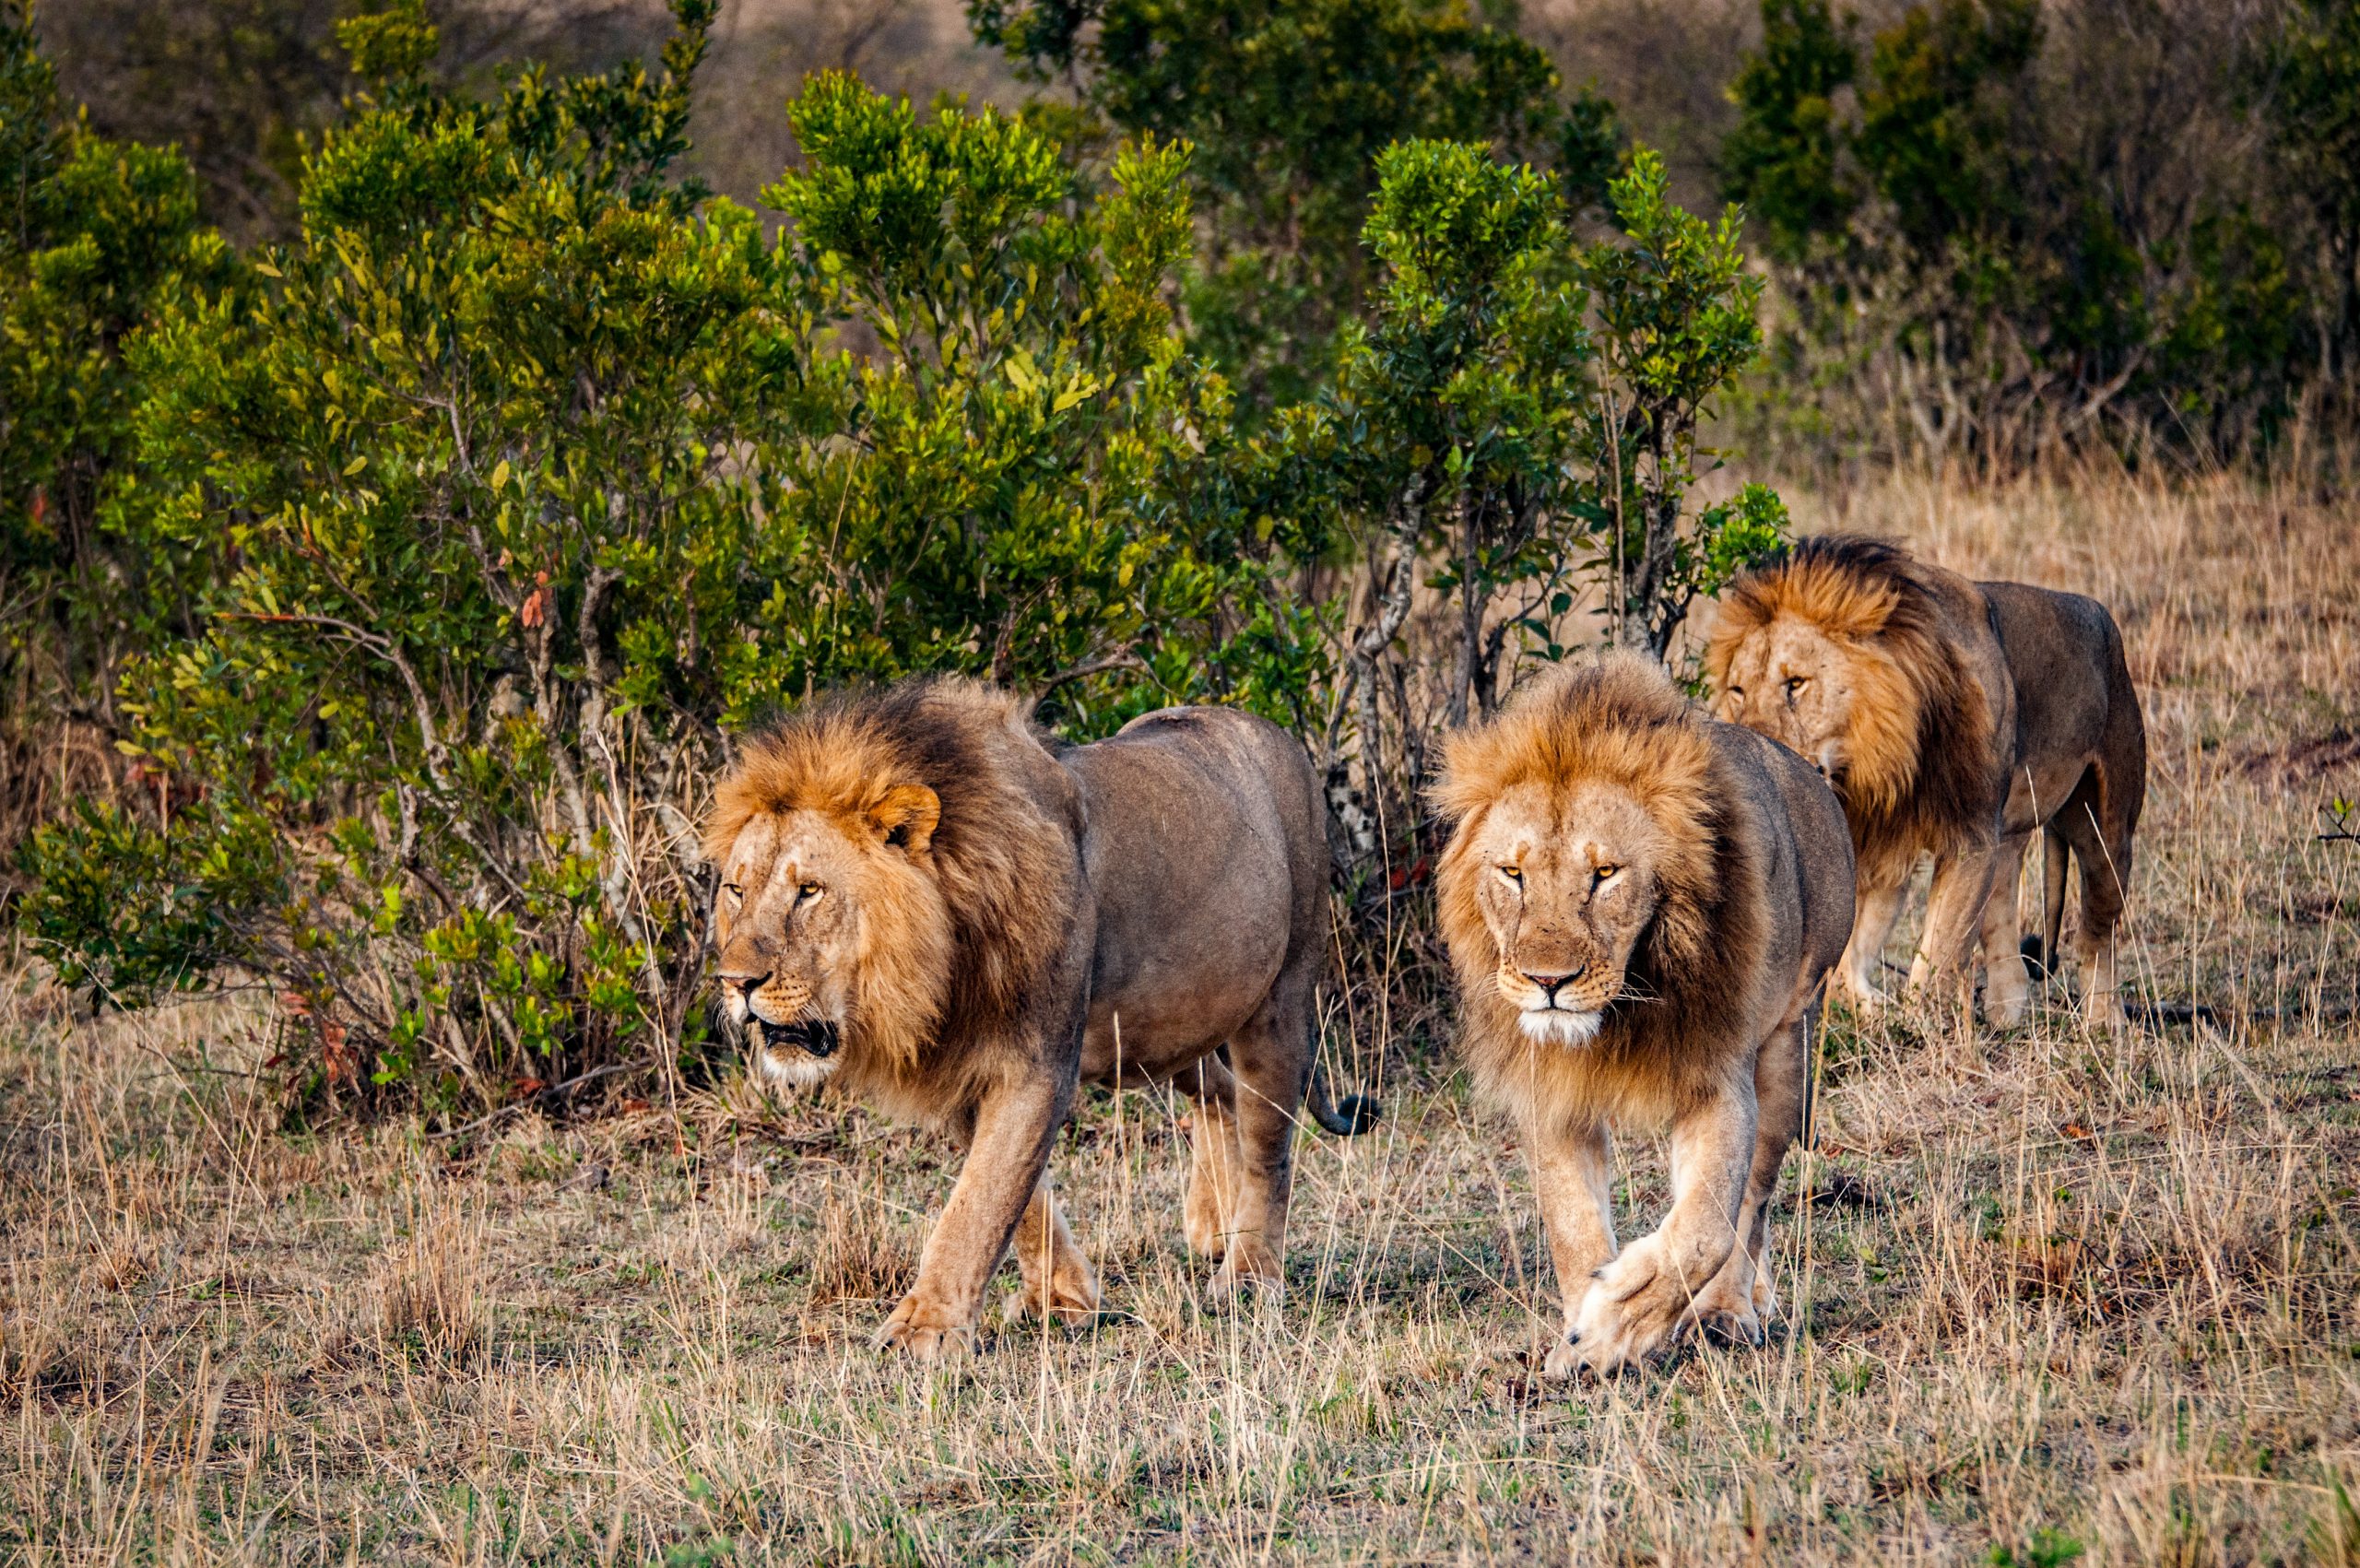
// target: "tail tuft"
[[1355, 1115], [1351, 1117]]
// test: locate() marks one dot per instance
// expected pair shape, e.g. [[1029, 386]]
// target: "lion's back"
[[1206, 853]]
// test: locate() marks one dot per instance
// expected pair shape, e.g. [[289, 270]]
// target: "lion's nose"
[[743, 980], [1548, 982]]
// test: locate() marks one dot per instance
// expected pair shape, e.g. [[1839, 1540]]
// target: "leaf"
[[356, 465], [500, 475]]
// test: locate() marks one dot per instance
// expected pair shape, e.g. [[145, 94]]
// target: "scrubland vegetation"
[[413, 480], [2047, 1293]]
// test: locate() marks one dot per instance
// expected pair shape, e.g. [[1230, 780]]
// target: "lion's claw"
[[1066, 1307], [925, 1332], [1738, 1327], [1247, 1267], [1636, 1311]]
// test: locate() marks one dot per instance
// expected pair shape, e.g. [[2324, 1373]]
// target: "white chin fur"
[[1553, 1026], [799, 1071]]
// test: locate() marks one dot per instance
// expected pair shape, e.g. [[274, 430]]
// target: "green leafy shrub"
[[1982, 256], [94, 235], [1288, 105], [530, 479], [1518, 423]]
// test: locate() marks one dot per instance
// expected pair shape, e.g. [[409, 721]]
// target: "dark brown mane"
[[1621, 721], [1922, 771], [1003, 859]]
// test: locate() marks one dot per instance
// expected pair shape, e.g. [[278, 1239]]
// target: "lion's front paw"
[[927, 1331], [1200, 1219], [1867, 999], [2105, 1015], [2006, 996], [1564, 1359], [1635, 1309], [1250, 1266]]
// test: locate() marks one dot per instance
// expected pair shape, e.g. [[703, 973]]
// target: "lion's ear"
[[906, 816]]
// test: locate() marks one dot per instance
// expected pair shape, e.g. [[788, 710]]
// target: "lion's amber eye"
[[1796, 682], [809, 890], [733, 889], [1603, 872], [1513, 873]]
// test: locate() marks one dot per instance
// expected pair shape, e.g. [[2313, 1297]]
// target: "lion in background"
[[1640, 905], [1955, 718], [923, 902]]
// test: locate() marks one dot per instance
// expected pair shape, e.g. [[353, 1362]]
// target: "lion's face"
[[1793, 682], [1566, 884], [829, 924]]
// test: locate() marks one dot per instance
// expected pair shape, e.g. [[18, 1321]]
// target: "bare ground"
[[2051, 1294]]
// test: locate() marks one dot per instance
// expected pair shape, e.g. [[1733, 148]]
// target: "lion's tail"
[[1354, 1116]]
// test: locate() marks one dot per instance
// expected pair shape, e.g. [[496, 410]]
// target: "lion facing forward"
[[1954, 719], [924, 903], [1640, 904]]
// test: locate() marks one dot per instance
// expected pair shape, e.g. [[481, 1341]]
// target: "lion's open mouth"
[[814, 1036]]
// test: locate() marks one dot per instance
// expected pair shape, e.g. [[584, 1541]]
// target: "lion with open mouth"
[[1641, 903], [927, 904]]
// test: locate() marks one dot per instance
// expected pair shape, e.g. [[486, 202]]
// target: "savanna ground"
[[2054, 1294]]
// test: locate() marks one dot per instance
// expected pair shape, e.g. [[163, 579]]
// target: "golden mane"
[[1621, 722], [1004, 866], [1920, 745]]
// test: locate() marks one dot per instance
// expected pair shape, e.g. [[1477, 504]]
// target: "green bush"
[[1983, 257], [1288, 105], [1518, 421], [530, 479], [94, 236], [457, 539]]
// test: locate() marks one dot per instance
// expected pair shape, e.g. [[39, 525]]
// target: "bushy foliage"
[[1517, 423], [94, 236], [450, 545], [2017, 227], [1288, 105], [2309, 77], [530, 479]]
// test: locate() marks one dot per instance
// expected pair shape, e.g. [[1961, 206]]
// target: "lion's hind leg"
[[1058, 1281], [1271, 1058], [1216, 1160], [2103, 861]]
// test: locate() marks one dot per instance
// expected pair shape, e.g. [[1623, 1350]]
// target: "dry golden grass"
[[2061, 1293]]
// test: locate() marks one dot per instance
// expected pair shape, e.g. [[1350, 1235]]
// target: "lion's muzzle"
[[1562, 1006]]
